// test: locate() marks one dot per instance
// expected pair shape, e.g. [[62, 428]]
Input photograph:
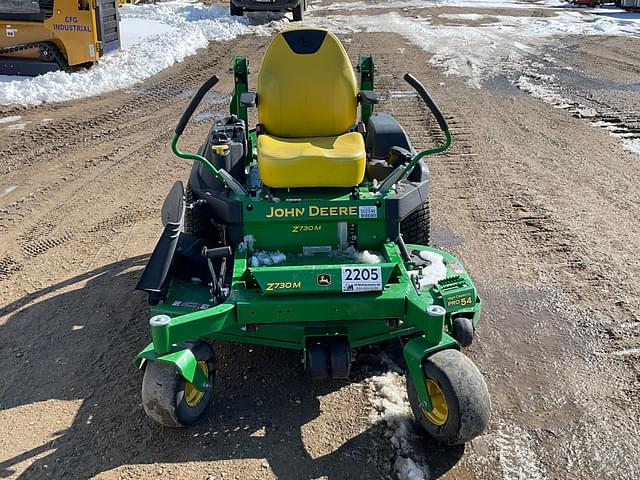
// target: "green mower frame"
[[308, 302]]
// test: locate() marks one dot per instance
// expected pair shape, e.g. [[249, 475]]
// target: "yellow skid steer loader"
[[40, 36]]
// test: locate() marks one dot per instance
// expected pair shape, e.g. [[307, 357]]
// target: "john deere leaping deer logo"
[[324, 280]]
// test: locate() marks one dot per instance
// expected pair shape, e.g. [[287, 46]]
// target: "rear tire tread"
[[416, 227], [195, 222]]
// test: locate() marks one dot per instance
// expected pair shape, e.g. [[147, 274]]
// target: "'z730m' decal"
[[305, 228], [271, 286]]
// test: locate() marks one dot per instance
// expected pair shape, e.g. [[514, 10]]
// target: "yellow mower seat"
[[312, 162], [307, 98]]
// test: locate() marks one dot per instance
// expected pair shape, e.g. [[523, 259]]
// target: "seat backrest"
[[306, 85]]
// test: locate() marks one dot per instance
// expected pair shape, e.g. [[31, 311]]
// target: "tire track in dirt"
[[60, 221], [99, 119], [8, 266], [126, 138]]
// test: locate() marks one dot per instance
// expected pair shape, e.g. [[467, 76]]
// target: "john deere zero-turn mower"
[[309, 232]]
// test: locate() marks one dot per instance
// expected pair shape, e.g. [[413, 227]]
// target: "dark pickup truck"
[[238, 7]]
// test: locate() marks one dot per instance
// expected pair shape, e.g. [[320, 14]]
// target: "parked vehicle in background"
[[238, 7], [631, 5], [40, 36]]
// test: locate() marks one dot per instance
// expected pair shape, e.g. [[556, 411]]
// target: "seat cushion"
[[306, 86], [312, 162]]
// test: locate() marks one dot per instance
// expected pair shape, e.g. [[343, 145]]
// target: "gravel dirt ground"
[[541, 207]]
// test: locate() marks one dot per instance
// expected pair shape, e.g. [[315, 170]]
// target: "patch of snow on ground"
[[462, 16], [406, 4], [542, 87], [632, 145], [504, 47], [391, 406], [515, 455], [8, 190], [554, 3], [11, 119], [17, 126], [484, 51], [154, 38]]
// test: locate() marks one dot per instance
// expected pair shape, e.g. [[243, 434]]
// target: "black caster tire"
[[339, 359], [459, 395], [318, 360], [463, 331], [298, 12], [171, 401], [235, 11]]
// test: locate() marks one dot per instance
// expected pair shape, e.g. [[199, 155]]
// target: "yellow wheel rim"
[[440, 411], [192, 395]]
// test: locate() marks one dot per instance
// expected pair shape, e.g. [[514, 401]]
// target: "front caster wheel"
[[169, 399], [463, 331], [459, 396]]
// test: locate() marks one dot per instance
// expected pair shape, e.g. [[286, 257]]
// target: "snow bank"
[[135, 30], [154, 37]]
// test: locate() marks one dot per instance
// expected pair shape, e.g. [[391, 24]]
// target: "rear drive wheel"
[[235, 11], [459, 396], [298, 12], [169, 399], [416, 228]]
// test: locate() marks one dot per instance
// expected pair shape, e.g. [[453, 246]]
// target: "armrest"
[[368, 97], [248, 99]]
